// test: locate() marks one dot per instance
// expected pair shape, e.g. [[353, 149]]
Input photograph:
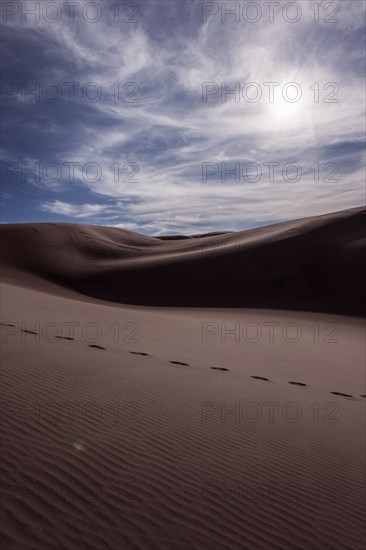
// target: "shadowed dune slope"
[[314, 264]]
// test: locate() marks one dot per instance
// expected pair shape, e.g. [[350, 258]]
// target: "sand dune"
[[133, 427], [316, 264]]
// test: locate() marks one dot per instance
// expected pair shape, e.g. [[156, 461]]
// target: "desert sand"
[[205, 392]]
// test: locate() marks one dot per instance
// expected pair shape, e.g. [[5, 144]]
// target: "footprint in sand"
[[260, 378], [341, 394], [179, 363], [218, 368], [297, 383], [95, 346], [139, 353]]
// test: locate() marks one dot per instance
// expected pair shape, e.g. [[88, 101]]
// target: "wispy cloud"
[[162, 140]]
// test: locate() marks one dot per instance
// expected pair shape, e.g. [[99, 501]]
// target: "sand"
[[194, 393]]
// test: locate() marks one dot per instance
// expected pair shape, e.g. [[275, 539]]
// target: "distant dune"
[[315, 264], [129, 427]]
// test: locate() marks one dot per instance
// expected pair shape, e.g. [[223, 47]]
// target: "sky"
[[173, 117]]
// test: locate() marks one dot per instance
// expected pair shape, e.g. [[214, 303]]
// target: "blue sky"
[[191, 158]]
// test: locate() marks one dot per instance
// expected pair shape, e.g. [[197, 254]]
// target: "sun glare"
[[282, 111]]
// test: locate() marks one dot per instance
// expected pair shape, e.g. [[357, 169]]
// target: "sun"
[[284, 111]]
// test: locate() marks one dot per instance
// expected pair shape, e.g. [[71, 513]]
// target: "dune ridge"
[[315, 264]]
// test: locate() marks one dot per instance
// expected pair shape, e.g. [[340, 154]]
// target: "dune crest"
[[314, 264]]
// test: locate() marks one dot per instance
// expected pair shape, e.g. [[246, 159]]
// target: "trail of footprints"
[[262, 378]]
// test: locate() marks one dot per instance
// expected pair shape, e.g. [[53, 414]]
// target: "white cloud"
[[78, 211]]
